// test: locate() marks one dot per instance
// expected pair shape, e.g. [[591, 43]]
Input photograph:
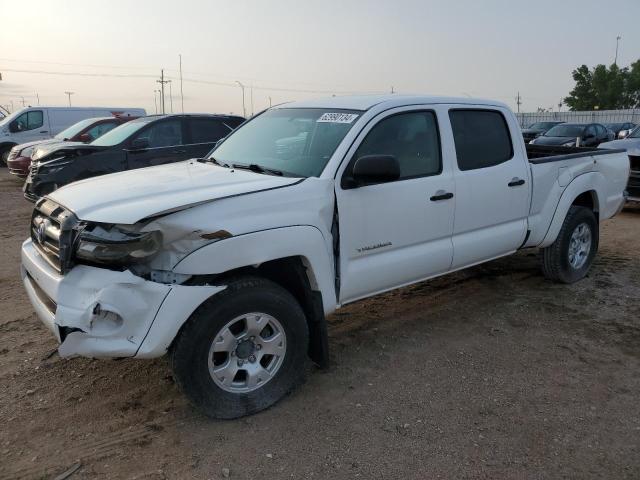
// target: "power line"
[[191, 80]]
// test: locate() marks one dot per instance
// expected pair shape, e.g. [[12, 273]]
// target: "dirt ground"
[[493, 372]]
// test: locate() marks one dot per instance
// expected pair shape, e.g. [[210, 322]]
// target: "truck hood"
[[130, 196], [631, 145]]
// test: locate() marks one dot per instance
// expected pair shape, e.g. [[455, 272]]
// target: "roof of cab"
[[365, 102]]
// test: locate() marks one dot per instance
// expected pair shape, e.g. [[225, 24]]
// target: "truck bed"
[[553, 168]]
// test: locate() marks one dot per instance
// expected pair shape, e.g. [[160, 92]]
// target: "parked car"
[[620, 127], [143, 142], [232, 262], [536, 129], [39, 123], [85, 131], [566, 134], [632, 146]]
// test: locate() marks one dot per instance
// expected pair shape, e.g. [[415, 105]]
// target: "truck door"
[[30, 126], [398, 232], [492, 186], [164, 144]]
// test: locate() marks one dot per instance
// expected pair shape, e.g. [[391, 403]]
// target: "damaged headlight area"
[[116, 246]]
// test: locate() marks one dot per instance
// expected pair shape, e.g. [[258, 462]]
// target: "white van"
[[39, 123]]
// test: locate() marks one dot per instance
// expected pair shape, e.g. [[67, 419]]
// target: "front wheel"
[[569, 258], [4, 156], [242, 350]]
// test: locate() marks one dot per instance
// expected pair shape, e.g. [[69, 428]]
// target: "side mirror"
[[13, 127], [372, 169], [85, 138], [139, 144]]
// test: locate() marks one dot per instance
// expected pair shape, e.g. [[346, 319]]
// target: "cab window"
[[29, 120], [410, 137]]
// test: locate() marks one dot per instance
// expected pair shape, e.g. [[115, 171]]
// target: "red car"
[[85, 131]]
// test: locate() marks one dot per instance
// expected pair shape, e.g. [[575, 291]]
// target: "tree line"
[[605, 88]]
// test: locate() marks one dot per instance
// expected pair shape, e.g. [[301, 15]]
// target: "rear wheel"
[[242, 350], [569, 258]]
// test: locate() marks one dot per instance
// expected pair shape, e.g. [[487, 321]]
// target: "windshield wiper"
[[254, 167], [213, 160]]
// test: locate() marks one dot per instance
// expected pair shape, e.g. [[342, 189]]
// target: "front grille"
[[634, 162], [53, 230], [33, 170]]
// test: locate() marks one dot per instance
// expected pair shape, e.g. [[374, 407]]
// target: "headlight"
[[533, 141], [117, 246], [572, 143]]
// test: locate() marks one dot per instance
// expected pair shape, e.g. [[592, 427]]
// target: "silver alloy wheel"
[[247, 352], [579, 246]]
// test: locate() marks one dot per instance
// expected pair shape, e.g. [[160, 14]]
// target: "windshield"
[[614, 126], [295, 141], [565, 131], [9, 118], [119, 134], [74, 129]]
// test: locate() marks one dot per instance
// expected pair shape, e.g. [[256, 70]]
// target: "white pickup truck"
[[231, 263]]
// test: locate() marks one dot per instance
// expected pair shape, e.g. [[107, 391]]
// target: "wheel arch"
[[296, 258], [582, 191]]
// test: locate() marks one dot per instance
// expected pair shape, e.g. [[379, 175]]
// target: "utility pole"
[[155, 99], [251, 94], [559, 104], [518, 101], [181, 94], [615, 61], [38, 97], [162, 81], [67, 93], [24, 104], [170, 96], [269, 102], [392, 89], [244, 110]]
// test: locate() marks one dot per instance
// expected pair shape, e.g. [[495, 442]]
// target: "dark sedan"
[[573, 135], [536, 129], [84, 131], [144, 142]]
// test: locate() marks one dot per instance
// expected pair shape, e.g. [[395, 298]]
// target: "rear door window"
[[481, 138], [207, 130]]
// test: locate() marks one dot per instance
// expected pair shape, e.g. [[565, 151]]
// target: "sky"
[[110, 52]]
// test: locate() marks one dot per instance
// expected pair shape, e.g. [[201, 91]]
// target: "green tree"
[[605, 88]]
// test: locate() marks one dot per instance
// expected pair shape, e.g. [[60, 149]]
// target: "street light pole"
[[244, 110], [69, 95], [615, 61]]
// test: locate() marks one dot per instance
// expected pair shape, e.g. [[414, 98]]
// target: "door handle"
[[44, 131], [441, 195], [516, 182]]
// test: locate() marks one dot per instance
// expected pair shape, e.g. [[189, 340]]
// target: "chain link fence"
[[596, 116]]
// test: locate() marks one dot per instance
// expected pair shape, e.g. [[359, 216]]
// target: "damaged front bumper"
[[96, 312]]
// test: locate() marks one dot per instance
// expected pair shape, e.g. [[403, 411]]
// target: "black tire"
[[4, 155], [190, 351], [555, 257]]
